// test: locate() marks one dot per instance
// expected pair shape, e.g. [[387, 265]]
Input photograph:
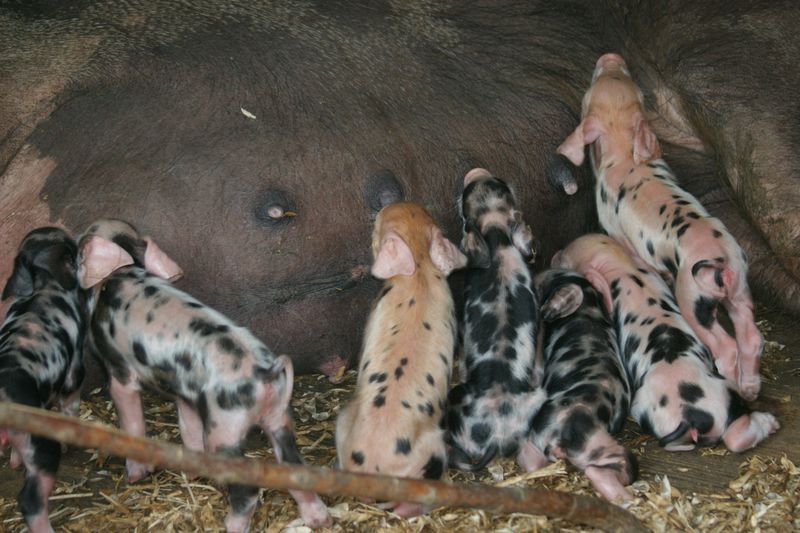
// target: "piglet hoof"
[[766, 422], [608, 483], [334, 369], [315, 514], [749, 387], [134, 470], [39, 523], [14, 459], [409, 510], [237, 523]]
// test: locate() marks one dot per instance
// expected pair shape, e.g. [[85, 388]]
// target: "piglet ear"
[[586, 133], [158, 263], [445, 255], [394, 258], [562, 302], [475, 247], [600, 284], [522, 236], [558, 261], [645, 142], [20, 284], [98, 258]]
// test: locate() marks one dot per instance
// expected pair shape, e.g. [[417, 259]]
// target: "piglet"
[[640, 203], [588, 394], [679, 395], [490, 410], [392, 424], [224, 380], [41, 356]]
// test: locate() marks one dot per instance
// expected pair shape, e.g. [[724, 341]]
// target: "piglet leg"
[[70, 405], [697, 309], [530, 458], [225, 438], [276, 421], [41, 457], [191, 427], [748, 430], [128, 403], [607, 464], [750, 343], [312, 509]]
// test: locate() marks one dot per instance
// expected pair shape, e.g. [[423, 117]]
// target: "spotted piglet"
[[679, 395], [587, 387], [489, 411], [41, 356], [224, 380], [392, 424], [640, 203]]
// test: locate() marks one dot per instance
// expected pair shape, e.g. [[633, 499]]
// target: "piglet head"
[[489, 204], [111, 244], [44, 254], [612, 118], [405, 238]]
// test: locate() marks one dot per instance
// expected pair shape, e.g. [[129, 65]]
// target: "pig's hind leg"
[[428, 462], [40, 457], [749, 342], [607, 464], [276, 421], [128, 403], [225, 432], [700, 312]]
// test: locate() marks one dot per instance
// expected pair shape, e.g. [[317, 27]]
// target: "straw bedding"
[[91, 494]]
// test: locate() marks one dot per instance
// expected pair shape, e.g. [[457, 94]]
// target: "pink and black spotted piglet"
[[587, 388], [392, 424], [678, 394], [224, 380], [41, 356], [490, 410], [641, 204]]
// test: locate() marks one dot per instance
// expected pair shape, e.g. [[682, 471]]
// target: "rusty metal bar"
[[553, 504]]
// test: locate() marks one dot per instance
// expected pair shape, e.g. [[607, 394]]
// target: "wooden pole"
[[553, 504]]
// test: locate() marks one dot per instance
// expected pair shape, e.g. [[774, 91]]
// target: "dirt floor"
[[706, 490]]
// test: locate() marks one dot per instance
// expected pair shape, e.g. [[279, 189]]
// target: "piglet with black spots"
[[679, 395], [490, 410], [41, 356], [588, 395], [393, 423], [224, 380], [641, 204]]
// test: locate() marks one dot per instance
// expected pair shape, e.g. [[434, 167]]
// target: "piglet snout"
[[608, 62], [474, 174]]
